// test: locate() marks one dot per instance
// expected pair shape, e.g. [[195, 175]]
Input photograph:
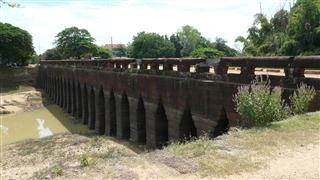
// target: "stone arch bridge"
[[155, 100]]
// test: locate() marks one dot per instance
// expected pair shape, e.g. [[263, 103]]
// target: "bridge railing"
[[291, 66]]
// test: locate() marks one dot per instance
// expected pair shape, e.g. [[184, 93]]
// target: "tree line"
[[293, 32]]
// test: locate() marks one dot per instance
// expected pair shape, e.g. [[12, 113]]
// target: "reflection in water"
[[4, 130], [43, 132]]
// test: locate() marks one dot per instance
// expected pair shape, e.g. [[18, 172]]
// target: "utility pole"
[[260, 7], [111, 43], [39, 48]]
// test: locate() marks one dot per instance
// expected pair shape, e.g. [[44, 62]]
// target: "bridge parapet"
[[293, 67]]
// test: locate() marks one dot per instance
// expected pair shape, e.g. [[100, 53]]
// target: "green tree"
[[75, 43], [220, 45], [190, 39], [150, 45], [15, 45], [288, 33], [176, 42], [304, 27], [207, 53], [102, 52], [52, 54]]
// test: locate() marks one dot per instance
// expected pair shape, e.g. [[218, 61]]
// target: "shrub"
[[301, 98], [84, 160], [57, 171], [259, 104]]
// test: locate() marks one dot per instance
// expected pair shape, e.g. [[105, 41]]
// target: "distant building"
[[118, 50]]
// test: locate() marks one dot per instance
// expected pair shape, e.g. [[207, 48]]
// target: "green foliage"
[[102, 52], [207, 53], [288, 33], [302, 98], [52, 54], [150, 45], [190, 39], [75, 43], [176, 42], [84, 160], [259, 105], [57, 171], [15, 45]]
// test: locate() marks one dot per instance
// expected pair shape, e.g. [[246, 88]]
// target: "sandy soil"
[[300, 163], [21, 101]]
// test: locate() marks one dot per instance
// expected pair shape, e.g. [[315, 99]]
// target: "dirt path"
[[302, 163]]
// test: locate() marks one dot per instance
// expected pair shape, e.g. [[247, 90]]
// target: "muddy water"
[[37, 124]]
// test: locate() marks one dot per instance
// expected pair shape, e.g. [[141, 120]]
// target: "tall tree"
[[190, 39], [74, 42], [150, 45], [288, 33], [176, 42], [15, 45]]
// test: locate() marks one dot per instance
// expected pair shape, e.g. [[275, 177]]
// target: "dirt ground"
[[300, 163], [27, 100], [109, 158]]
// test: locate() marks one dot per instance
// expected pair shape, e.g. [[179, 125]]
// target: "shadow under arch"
[[161, 126], [112, 114], [100, 124], [187, 129], [222, 125], [141, 122]]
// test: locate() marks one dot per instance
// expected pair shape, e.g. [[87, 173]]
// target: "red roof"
[[111, 46]]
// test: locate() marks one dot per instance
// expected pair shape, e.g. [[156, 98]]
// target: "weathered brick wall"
[[152, 106]]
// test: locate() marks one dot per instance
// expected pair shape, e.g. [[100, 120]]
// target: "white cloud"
[[123, 19]]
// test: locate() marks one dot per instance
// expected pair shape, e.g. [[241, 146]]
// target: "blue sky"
[[122, 19]]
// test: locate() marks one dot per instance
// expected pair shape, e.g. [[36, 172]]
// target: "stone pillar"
[[151, 139], [174, 117], [123, 117], [100, 112], [107, 113], [85, 108], [69, 100], [134, 128]]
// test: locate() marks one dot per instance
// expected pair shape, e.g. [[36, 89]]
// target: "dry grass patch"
[[246, 150]]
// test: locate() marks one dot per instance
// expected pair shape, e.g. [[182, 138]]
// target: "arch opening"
[[112, 111], [141, 121], [222, 126], [79, 102], [187, 129], [125, 116], [101, 113], [161, 126]]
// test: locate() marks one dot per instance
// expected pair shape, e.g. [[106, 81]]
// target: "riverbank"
[[286, 149]]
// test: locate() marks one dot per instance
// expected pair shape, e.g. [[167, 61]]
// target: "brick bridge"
[[155, 100]]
